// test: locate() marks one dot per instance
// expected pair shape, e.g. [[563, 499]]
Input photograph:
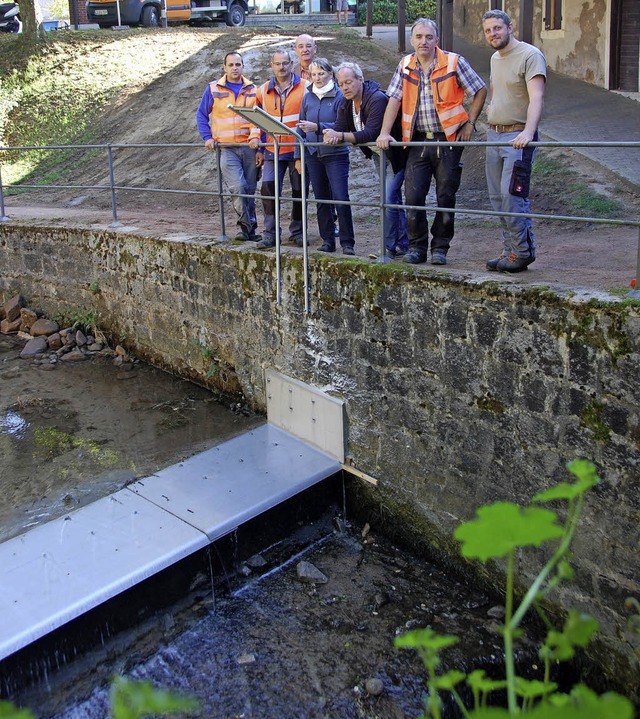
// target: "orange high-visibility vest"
[[448, 96], [288, 112], [226, 125]]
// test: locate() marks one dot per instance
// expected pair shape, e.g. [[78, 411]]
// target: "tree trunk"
[[31, 15]]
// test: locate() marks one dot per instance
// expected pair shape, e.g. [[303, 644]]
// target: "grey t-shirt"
[[509, 76]]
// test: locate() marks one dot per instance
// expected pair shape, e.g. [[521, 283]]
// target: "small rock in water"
[[496, 612], [309, 574], [246, 659], [257, 561], [374, 687]]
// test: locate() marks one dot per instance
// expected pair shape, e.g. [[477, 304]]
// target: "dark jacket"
[[374, 104], [323, 113]]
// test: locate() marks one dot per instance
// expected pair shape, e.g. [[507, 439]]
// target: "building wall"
[[580, 49], [457, 393]]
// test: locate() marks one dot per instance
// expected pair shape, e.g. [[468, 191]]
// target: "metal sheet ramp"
[[63, 569]]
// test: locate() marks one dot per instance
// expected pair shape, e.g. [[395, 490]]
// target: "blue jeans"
[[330, 181], [517, 233], [239, 171], [441, 163], [395, 221], [269, 189]]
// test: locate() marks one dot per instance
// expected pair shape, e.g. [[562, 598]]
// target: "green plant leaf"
[[490, 713], [480, 681], [425, 638], [501, 527], [582, 703], [448, 681], [9, 711], [134, 700], [577, 631], [587, 476], [533, 688]]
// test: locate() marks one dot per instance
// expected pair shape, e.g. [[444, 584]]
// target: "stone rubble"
[[46, 343]]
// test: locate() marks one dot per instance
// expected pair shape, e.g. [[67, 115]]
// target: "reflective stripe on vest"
[[226, 125], [448, 96]]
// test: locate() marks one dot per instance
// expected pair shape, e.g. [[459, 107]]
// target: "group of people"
[[331, 110]]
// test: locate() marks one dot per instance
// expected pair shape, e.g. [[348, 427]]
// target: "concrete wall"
[[579, 49], [457, 393]]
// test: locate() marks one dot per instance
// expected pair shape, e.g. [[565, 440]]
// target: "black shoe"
[[254, 238], [266, 243], [326, 247], [413, 257], [297, 240], [513, 263], [242, 236], [348, 250], [492, 265], [438, 257]]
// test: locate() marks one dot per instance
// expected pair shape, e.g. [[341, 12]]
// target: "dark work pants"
[[442, 164]]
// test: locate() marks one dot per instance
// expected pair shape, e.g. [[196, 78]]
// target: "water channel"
[[250, 641]]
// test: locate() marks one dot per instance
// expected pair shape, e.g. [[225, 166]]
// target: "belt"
[[516, 127], [417, 136]]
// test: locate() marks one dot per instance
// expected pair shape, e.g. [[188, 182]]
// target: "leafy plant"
[[134, 700], [129, 700], [385, 12], [519, 528]]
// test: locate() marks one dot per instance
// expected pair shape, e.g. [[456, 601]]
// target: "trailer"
[[148, 13]]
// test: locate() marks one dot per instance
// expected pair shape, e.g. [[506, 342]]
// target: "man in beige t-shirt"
[[518, 76]]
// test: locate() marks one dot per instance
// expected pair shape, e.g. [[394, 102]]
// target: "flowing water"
[[262, 645]]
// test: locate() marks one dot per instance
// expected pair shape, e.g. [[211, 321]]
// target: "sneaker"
[[348, 250], [241, 236], [492, 265], [254, 238], [266, 243], [400, 251], [438, 257], [296, 240], [414, 257], [326, 247], [513, 263]]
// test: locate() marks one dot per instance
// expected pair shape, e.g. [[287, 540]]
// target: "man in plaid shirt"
[[428, 88]]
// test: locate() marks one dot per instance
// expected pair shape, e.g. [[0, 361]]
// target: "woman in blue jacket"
[[327, 165]]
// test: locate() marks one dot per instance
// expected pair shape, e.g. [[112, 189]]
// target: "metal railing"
[[381, 205]]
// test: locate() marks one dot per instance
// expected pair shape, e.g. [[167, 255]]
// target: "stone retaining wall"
[[457, 393]]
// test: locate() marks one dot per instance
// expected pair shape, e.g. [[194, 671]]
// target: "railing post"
[[305, 241], [3, 217], [635, 293], [112, 184], [220, 197], [276, 193], [384, 219]]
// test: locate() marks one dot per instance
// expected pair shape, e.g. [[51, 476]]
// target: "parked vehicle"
[[148, 12], [10, 17]]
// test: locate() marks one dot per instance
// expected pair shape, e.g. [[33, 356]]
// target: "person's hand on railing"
[[384, 138], [210, 144], [331, 137], [254, 143]]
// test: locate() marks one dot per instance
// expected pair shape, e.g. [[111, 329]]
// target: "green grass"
[[578, 197]]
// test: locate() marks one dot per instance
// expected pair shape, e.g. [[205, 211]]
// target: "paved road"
[[575, 111]]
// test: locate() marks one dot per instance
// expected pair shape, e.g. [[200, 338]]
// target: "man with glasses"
[[281, 97], [359, 120], [430, 87]]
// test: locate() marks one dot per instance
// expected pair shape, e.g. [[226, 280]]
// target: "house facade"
[[593, 40]]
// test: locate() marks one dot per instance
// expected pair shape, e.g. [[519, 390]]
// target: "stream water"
[[263, 645]]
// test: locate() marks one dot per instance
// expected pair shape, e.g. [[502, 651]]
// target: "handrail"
[[381, 205]]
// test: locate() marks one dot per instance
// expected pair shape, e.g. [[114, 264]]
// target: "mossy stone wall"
[[457, 393]]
